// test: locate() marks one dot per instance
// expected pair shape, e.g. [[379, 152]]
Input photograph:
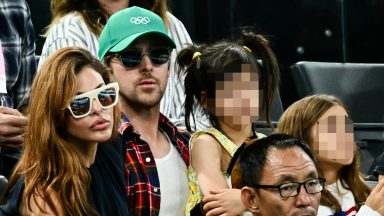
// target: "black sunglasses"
[[132, 57]]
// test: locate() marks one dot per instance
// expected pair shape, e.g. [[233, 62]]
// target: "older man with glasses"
[[279, 177]]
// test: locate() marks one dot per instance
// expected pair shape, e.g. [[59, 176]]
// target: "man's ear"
[[203, 99], [250, 199]]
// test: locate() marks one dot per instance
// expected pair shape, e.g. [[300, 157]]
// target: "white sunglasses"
[[107, 96]]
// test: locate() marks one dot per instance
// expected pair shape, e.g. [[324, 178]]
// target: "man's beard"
[[135, 103]]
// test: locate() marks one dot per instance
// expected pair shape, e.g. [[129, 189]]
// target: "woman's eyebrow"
[[98, 86]]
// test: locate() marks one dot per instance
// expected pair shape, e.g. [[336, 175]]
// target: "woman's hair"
[[203, 71], [49, 161], [158, 7], [298, 121], [91, 12]]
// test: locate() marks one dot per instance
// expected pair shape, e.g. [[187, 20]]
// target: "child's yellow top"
[[195, 195]]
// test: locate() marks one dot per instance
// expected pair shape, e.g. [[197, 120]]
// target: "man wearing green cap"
[[135, 45]]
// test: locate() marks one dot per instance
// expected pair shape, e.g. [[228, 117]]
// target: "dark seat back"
[[3, 184], [275, 112], [359, 86]]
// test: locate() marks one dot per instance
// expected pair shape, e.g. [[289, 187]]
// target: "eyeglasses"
[[292, 189], [132, 57], [107, 96]]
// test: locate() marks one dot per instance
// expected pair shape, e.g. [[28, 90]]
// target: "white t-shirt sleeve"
[[367, 211]]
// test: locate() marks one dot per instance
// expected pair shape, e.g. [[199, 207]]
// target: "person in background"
[[138, 52], [234, 89], [72, 163], [279, 177], [17, 68], [322, 121], [79, 22]]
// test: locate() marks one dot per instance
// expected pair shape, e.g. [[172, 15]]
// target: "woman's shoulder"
[[37, 204]]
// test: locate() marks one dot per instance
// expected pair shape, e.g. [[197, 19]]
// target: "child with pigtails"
[[234, 83]]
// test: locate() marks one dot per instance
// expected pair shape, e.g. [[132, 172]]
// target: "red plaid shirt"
[[142, 180]]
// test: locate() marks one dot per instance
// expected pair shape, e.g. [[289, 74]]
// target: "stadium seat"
[[276, 108], [359, 86], [275, 112]]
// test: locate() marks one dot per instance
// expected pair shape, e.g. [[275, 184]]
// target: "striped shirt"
[[17, 38], [72, 30], [142, 179]]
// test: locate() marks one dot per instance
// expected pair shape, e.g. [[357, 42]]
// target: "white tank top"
[[173, 178]]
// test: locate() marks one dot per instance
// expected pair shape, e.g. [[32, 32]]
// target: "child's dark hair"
[[204, 65]]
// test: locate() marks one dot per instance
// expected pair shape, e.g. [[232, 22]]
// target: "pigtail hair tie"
[[246, 48], [196, 54]]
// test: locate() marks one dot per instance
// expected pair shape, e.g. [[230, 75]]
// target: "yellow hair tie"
[[246, 48], [195, 55]]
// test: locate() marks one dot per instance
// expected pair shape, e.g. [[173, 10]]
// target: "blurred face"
[[237, 98], [97, 125], [142, 84], [333, 139], [283, 166], [112, 6]]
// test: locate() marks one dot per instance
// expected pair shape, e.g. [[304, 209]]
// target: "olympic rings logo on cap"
[[139, 20]]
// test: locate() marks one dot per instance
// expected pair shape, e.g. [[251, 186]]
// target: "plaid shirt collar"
[[142, 180]]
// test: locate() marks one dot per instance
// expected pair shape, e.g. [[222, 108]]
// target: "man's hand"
[[12, 126], [223, 202]]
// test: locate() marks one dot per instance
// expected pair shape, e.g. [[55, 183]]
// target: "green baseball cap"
[[127, 25]]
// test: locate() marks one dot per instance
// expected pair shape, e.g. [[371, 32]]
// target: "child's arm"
[[206, 156], [206, 161]]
